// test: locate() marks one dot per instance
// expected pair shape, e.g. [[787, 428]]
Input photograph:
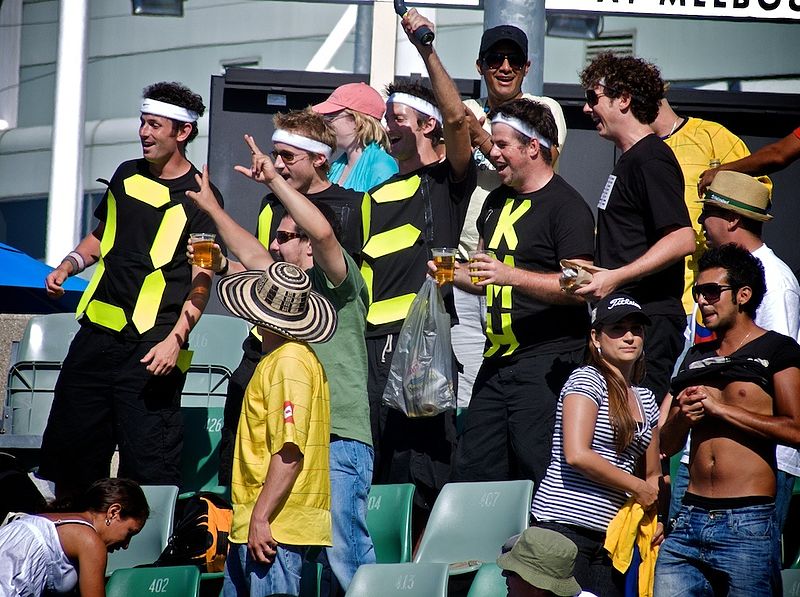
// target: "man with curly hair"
[[421, 207], [643, 226], [121, 381]]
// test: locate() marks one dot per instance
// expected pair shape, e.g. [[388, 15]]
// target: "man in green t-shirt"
[[306, 237]]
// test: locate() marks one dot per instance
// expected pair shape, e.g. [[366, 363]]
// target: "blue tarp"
[[22, 285]]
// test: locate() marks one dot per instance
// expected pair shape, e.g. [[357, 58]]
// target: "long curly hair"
[[640, 79]]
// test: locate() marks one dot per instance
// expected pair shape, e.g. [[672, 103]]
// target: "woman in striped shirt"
[[604, 424]]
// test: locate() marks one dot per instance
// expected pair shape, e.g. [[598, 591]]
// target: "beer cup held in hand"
[[444, 258], [472, 255], [203, 246]]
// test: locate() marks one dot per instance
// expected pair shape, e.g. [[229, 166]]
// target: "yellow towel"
[[633, 525]]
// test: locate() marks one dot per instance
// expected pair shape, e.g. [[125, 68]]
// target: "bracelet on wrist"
[[73, 264], [77, 262], [224, 269]]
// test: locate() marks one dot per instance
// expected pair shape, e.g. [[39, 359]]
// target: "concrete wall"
[[127, 52]]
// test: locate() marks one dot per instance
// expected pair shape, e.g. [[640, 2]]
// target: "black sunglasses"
[[710, 292], [592, 97], [284, 237], [494, 60]]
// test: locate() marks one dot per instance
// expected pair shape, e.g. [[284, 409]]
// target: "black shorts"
[[105, 397]]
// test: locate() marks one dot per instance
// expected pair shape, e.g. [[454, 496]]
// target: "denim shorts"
[[720, 552], [244, 577]]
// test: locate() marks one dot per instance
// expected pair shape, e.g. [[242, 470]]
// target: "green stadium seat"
[[216, 342], [791, 582], [470, 522], [170, 581], [145, 547], [32, 378], [389, 522], [406, 580], [488, 582]]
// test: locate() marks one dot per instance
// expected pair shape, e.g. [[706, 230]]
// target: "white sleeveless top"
[[32, 559]]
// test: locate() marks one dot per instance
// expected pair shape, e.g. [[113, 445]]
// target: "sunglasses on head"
[[494, 60], [284, 237], [710, 292]]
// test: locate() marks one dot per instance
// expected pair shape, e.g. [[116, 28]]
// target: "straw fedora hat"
[[281, 300], [739, 193]]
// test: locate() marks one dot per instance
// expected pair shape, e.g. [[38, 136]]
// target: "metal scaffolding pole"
[[66, 171], [528, 15]]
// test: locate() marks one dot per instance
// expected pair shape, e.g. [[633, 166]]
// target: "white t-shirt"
[[780, 312]]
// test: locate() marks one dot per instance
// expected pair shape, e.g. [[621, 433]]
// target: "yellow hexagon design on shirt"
[[146, 190], [148, 302], [169, 234]]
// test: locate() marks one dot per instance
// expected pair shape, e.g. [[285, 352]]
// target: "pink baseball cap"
[[358, 97]]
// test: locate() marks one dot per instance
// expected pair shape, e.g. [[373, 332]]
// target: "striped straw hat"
[[281, 300]]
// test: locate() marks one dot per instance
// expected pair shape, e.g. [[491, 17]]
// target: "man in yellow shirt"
[[696, 143], [281, 482]]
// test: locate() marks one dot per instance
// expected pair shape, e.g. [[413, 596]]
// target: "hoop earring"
[[108, 522]]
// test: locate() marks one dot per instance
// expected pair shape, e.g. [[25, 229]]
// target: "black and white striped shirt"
[[565, 495]]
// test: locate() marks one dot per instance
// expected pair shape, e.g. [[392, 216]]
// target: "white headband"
[[520, 127], [151, 106], [419, 104], [301, 142]]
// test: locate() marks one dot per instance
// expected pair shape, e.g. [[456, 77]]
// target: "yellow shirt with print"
[[286, 401], [695, 144]]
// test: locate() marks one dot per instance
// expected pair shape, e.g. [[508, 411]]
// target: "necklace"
[[674, 126], [741, 342]]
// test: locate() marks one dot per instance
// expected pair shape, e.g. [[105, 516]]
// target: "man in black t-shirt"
[[643, 226], [121, 381], [535, 333], [309, 177], [738, 396], [421, 207]]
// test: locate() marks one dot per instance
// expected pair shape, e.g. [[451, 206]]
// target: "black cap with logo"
[[616, 307]]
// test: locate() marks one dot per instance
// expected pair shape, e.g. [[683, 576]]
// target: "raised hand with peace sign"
[[261, 169]]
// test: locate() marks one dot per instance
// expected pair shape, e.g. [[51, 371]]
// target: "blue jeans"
[[720, 552], [784, 486], [247, 578], [678, 487], [351, 477]]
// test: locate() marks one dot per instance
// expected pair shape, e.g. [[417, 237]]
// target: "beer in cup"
[[203, 245], [444, 258], [472, 255]]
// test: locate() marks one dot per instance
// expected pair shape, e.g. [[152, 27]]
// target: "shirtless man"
[[738, 397]]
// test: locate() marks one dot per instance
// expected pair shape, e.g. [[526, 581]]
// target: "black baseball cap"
[[616, 307], [503, 33]]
